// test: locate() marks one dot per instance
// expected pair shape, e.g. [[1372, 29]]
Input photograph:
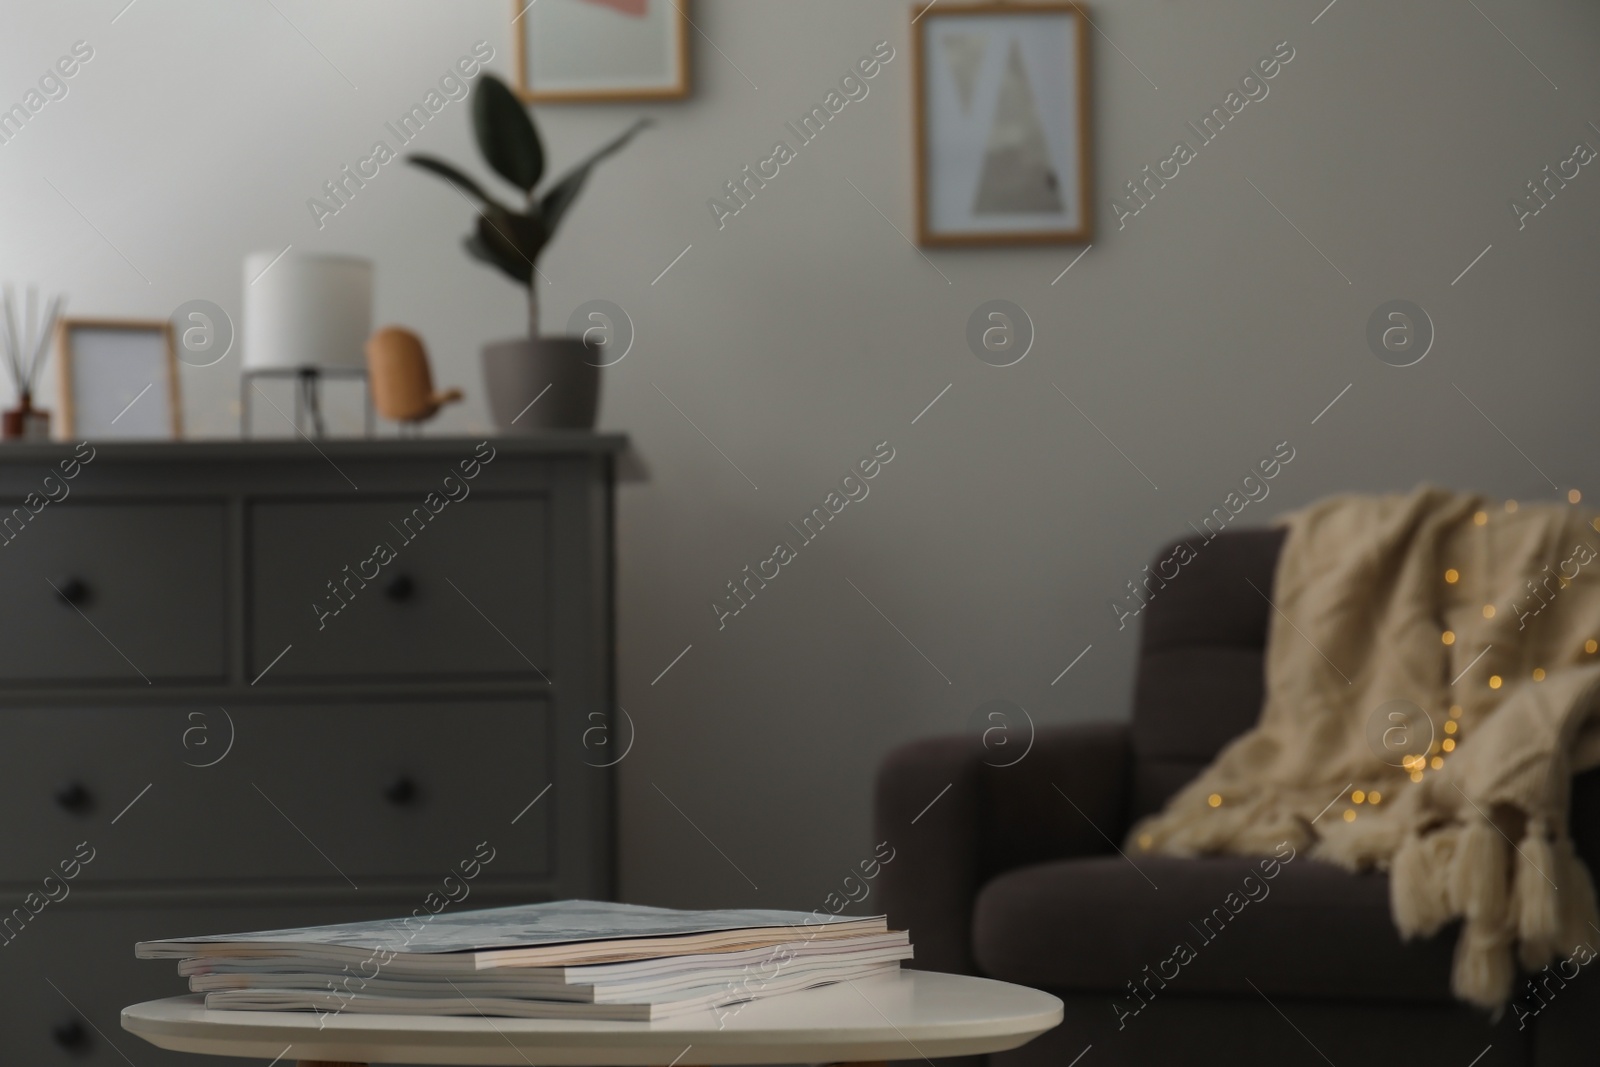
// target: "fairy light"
[[1215, 800], [1452, 576], [1538, 674], [1483, 516], [1488, 611], [1494, 681], [1448, 637], [1573, 496], [1449, 744]]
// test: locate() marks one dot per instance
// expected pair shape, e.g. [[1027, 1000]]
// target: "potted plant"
[[517, 371]]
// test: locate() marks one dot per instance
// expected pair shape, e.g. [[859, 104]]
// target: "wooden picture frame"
[[94, 377], [582, 24], [1042, 159]]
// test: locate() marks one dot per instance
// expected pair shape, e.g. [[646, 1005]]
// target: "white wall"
[[1197, 338]]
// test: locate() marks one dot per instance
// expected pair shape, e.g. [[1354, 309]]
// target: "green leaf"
[[553, 205], [517, 268], [455, 177], [512, 242], [506, 134]]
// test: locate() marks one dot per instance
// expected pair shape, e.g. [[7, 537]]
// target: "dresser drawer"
[[67, 980], [112, 592], [327, 793], [384, 588]]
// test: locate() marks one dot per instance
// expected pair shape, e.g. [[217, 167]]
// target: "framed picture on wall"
[[119, 378], [1002, 123], [596, 51]]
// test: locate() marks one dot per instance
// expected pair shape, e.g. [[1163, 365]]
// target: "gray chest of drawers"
[[260, 684]]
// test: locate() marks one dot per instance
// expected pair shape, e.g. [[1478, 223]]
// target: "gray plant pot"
[[517, 372]]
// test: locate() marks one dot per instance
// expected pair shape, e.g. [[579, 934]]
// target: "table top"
[[913, 1015]]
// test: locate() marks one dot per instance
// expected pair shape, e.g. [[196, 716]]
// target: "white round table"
[[912, 1015]]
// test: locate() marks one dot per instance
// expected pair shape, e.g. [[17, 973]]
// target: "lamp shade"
[[306, 310]]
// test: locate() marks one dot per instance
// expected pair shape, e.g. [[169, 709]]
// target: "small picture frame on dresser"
[[119, 378]]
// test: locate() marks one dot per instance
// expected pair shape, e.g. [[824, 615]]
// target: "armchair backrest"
[[1202, 642]]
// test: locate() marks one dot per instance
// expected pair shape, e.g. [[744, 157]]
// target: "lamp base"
[[307, 396]]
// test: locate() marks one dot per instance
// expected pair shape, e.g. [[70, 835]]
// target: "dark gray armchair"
[[1015, 873]]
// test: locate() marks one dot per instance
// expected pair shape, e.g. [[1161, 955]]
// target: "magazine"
[[643, 1011], [560, 933], [513, 983]]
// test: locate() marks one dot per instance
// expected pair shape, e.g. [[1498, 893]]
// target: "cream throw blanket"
[[1481, 616]]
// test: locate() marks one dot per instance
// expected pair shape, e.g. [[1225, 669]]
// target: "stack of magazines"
[[571, 959]]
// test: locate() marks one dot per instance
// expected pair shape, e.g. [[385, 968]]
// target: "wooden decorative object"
[[402, 383]]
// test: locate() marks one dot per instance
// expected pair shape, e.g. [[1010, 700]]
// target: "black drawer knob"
[[75, 798], [74, 591], [400, 588], [402, 792], [71, 1035]]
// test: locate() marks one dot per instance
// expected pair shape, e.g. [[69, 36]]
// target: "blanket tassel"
[[1536, 887], [1483, 970]]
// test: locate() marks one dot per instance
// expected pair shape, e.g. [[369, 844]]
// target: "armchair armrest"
[[955, 822]]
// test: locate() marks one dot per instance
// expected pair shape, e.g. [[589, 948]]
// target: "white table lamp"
[[306, 310], [304, 315]]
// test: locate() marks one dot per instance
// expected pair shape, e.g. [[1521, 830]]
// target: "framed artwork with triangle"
[[1002, 123]]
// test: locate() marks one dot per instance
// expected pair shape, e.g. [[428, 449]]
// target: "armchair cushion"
[[1312, 930], [955, 821]]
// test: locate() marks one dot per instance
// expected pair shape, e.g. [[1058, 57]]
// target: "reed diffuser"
[[26, 344]]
